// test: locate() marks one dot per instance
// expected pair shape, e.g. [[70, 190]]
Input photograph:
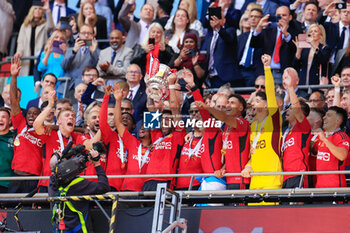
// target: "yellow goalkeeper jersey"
[[265, 157]]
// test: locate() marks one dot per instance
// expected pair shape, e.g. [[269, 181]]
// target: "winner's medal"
[[16, 142]]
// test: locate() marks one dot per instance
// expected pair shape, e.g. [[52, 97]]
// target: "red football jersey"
[[136, 165], [114, 156], [212, 139], [52, 145], [237, 151], [190, 163], [296, 149], [163, 156], [28, 153], [326, 161]]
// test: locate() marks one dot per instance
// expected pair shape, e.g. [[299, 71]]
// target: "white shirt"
[[245, 53], [346, 39], [134, 90], [239, 4], [55, 11], [144, 30]]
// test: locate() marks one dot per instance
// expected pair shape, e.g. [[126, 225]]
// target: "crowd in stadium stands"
[[273, 45]]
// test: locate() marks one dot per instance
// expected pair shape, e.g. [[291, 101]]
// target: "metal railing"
[[309, 88]]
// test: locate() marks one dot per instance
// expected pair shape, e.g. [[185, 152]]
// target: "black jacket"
[[85, 187]]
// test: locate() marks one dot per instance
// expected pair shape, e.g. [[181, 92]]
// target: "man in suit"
[[77, 58], [277, 41], [268, 6], [222, 58], [59, 9], [137, 90], [114, 60], [49, 80], [136, 31], [309, 13], [337, 34], [249, 58]]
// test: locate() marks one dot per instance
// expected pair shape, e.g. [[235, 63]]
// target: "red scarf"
[[155, 54]]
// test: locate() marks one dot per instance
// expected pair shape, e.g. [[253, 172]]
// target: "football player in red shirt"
[[190, 158], [332, 147], [27, 159], [296, 139], [236, 140], [56, 140], [116, 159], [167, 143], [138, 150]]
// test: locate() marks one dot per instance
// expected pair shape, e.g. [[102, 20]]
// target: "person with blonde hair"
[[153, 46], [311, 63], [33, 34], [191, 7]]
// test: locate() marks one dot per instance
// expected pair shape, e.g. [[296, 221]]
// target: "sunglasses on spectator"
[[193, 111], [260, 86]]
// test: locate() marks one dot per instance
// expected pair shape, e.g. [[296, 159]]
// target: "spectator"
[[345, 77], [52, 56], [329, 97], [190, 58], [310, 14], [317, 100], [148, 51], [137, 91], [78, 57], [248, 57], [6, 147], [114, 60], [88, 15], [180, 27], [79, 107], [6, 25], [137, 31], [195, 24], [41, 99], [163, 12], [259, 87], [6, 96], [27, 159], [296, 139], [106, 12], [33, 34], [277, 41], [312, 63], [49, 80], [331, 147], [342, 60], [269, 7], [337, 33], [244, 25], [94, 90], [59, 9], [222, 60]]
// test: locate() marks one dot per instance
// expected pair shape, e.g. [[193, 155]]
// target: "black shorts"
[[292, 182]]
